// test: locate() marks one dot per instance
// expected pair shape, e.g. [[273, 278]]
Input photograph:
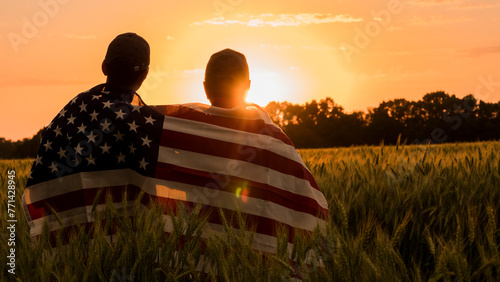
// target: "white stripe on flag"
[[256, 173]]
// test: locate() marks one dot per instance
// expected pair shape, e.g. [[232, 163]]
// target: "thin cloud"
[[434, 2], [262, 20], [477, 5], [480, 51], [457, 4], [437, 20]]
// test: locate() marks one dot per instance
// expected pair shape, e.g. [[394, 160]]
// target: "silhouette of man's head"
[[227, 79], [127, 61]]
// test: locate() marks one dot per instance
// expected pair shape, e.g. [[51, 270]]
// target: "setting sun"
[[267, 86]]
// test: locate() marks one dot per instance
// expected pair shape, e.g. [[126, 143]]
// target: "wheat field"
[[397, 213]]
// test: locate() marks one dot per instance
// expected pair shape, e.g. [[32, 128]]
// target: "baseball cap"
[[227, 65], [128, 52]]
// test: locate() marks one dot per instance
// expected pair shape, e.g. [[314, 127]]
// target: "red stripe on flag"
[[65, 202], [223, 149], [231, 184], [257, 126]]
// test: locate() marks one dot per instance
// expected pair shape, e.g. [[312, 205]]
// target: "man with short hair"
[[227, 79]]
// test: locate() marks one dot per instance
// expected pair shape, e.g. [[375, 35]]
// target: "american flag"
[[228, 159]]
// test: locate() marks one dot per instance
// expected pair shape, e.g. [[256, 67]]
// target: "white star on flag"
[[71, 119], [132, 149], [133, 126], [118, 136], [62, 153], [58, 131], [120, 114], [83, 107], [105, 148], [78, 149], [146, 141], [91, 137], [38, 160], [105, 125], [136, 108], [48, 145], [143, 163], [90, 160], [94, 97], [53, 167], [62, 113], [107, 104], [150, 119], [121, 157], [82, 128], [94, 115]]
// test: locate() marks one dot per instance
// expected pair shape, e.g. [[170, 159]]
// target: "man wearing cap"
[[102, 129], [126, 64]]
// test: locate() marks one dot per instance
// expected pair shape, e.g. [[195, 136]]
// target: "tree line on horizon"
[[437, 118]]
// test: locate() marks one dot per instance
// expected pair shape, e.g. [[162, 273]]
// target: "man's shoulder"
[[86, 94]]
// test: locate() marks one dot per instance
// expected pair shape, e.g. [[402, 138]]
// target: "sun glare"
[[266, 86]]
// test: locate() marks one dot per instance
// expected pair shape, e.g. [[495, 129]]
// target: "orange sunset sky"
[[357, 52]]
